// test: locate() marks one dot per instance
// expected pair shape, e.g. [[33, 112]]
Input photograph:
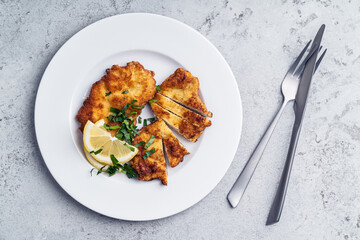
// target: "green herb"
[[107, 94], [130, 147], [137, 107], [151, 140], [139, 144], [153, 100], [158, 88], [91, 171], [139, 119], [151, 119], [130, 172], [145, 123], [132, 113], [96, 152], [125, 92], [148, 153], [114, 110], [100, 170], [108, 127]]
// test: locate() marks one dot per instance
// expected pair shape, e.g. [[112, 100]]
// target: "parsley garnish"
[[145, 123], [91, 171], [125, 92], [139, 144], [108, 127], [152, 139], [96, 152], [130, 147], [151, 119], [148, 153], [116, 167], [114, 110], [139, 119], [158, 88], [137, 107], [100, 170], [153, 100], [107, 94]]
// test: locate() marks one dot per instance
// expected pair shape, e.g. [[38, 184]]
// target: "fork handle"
[[278, 203], [244, 178]]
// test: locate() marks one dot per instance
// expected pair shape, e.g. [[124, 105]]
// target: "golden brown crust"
[[154, 167], [133, 77], [182, 126], [183, 87], [175, 151], [192, 117]]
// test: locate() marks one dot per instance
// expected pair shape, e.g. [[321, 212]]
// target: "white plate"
[[160, 44]]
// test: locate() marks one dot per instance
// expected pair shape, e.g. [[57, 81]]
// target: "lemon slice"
[[96, 137], [93, 162]]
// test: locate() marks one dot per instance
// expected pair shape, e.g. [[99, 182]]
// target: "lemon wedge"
[[95, 137], [93, 162]]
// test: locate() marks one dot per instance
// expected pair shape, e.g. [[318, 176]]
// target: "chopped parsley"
[[139, 119], [96, 152], [152, 139], [100, 170], [145, 123], [107, 94], [114, 110], [125, 92], [117, 167], [92, 171], [137, 107], [148, 153], [153, 100], [108, 127], [130, 147], [139, 144], [151, 119], [158, 88]]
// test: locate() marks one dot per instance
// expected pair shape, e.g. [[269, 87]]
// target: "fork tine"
[[320, 48], [300, 69], [296, 62], [319, 60]]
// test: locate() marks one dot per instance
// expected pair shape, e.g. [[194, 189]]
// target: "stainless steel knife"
[[299, 108]]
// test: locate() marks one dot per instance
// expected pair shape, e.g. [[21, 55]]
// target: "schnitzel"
[[175, 151], [192, 117], [183, 88], [150, 166], [119, 87], [182, 126]]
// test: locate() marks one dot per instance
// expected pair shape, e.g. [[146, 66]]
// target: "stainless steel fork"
[[289, 88]]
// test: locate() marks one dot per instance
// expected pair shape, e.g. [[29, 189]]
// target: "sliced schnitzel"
[[153, 165], [192, 117], [183, 88], [119, 87], [175, 151], [182, 126]]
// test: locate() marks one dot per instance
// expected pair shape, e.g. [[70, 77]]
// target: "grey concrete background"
[[259, 39]]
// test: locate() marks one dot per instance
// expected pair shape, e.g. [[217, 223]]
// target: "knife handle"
[[278, 203], [244, 178]]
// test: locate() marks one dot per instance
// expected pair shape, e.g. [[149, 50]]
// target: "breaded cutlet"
[[120, 86], [183, 88]]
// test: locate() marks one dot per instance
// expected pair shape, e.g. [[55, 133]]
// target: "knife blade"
[[299, 108]]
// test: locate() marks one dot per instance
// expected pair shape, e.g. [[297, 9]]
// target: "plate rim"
[[68, 41]]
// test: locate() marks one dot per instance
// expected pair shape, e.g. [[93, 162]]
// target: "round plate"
[[160, 44]]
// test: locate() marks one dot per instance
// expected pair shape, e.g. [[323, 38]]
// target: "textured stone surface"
[[259, 39]]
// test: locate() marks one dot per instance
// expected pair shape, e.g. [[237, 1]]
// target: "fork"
[[289, 88]]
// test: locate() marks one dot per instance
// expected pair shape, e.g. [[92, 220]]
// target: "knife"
[[299, 108]]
